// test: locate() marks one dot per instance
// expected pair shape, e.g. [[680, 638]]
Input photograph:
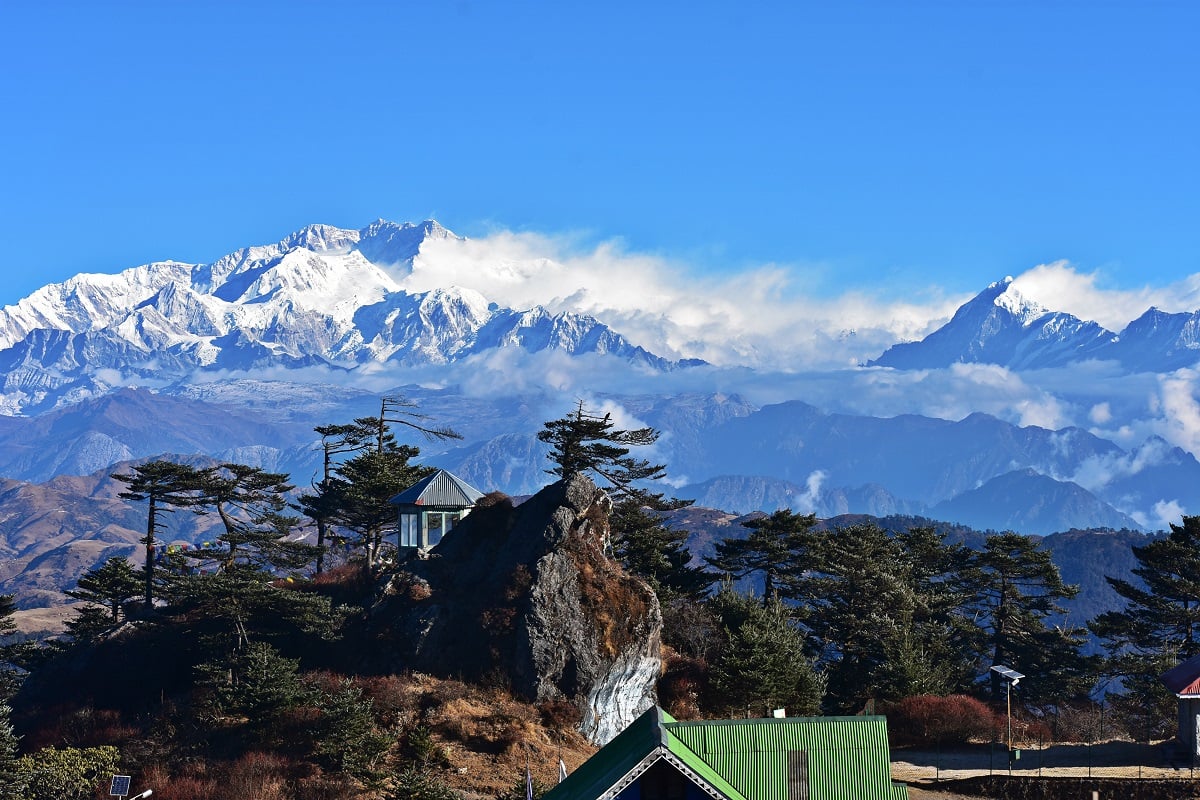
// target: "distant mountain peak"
[[321, 239], [1000, 325], [1021, 307]]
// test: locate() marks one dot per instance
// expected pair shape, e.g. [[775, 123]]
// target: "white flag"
[[562, 770]]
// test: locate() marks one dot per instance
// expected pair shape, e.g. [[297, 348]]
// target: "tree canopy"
[[582, 442]]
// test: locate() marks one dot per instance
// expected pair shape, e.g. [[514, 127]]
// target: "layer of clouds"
[[1097, 472], [762, 317], [757, 317]]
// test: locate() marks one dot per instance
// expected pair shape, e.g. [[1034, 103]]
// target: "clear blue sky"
[[893, 144]]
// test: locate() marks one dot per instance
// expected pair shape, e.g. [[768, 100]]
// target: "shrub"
[[262, 776], [926, 719], [560, 714], [682, 683], [415, 784], [324, 787], [1080, 724], [187, 789], [393, 699]]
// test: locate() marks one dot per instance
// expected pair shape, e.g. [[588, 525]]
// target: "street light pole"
[[1008, 696], [1011, 678]]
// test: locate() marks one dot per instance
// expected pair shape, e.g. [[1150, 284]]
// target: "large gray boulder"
[[528, 596]]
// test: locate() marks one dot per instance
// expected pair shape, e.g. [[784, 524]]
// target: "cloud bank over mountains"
[[802, 344], [758, 317]]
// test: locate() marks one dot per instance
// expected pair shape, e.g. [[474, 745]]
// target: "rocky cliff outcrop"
[[528, 597]]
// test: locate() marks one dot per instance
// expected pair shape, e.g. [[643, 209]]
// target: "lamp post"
[[1011, 678]]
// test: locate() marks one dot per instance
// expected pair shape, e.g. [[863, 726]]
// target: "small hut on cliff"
[[430, 508]]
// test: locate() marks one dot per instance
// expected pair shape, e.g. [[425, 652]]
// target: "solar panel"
[[1007, 673], [120, 785]]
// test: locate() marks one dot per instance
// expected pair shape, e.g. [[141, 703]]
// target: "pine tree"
[[256, 682], [336, 440], [249, 502], [420, 784], [12, 780], [111, 585], [858, 606], [763, 664], [244, 603], [937, 655], [1159, 626], [355, 494], [359, 499], [164, 486], [15, 655], [89, 624], [1017, 588], [646, 547], [585, 443], [348, 738], [777, 546]]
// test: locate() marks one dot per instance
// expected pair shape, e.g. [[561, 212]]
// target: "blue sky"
[[880, 147]]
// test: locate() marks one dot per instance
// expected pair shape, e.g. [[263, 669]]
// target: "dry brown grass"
[[488, 736]]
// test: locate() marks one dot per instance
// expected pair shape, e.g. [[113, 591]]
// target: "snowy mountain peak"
[[321, 239], [1023, 308], [1000, 325], [389, 244]]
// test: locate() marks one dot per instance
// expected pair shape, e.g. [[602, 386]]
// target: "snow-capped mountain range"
[[1000, 326], [322, 296]]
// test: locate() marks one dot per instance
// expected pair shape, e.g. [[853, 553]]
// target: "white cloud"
[[1166, 513], [1096, 472], [1061, 287], [807, 502], [1179, 423], [758, 317]]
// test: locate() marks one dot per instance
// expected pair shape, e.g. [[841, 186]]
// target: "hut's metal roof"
[[847, 758], [1184, 679], [439, 490], [645, 742]]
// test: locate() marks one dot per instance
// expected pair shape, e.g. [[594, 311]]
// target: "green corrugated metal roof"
[[638, 746], [702, 768], [747, 759], [614, 760], [847, 756]]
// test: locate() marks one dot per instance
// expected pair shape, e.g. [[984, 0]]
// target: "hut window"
[[435, 526], [410, 530]]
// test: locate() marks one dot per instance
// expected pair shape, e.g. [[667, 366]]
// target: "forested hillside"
[[341, 666]]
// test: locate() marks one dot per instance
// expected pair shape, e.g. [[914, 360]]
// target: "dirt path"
[[925, 770]]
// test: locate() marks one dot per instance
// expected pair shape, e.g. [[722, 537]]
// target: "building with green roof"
[[791, 758]]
